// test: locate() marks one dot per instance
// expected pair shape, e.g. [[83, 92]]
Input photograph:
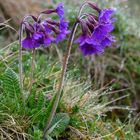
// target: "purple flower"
[[48, 40], [27, 43], [101, 35], [47, 28], [81, 39], [44, 24], [89, 49], [37, 35], [87, 46], [95, 32], [43, 32], [107, 41], [61, 35], [104, 15], [103, 28], [60, 10], [63, 25], [38, 39], [100, 31]]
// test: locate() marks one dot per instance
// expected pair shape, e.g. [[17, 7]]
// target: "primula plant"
[[94, 38], [42, 32]]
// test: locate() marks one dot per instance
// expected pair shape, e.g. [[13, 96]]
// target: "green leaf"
[[59, 124], [49, 138], [10, 84]]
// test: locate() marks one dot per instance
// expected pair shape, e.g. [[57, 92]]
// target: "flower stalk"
[[20, 54], [64, 68], [60, 87], [32, 70], [20, 61]]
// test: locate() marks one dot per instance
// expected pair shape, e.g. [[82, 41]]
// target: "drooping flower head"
[[45, 31], [85, 44], [96, 34]]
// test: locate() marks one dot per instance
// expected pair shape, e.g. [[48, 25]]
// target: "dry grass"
[[90, 104], [90, 101], [13, 127]]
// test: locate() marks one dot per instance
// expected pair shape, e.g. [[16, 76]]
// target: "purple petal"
[[84, 38], [107, 41], [37, 35], [63, 24], [88, 46], [44, 23], [61, 35], [101, 31], [60, 10], [48, 40], [104, 15], [89, 49], [27, 43], [38, 38], [80, 39]]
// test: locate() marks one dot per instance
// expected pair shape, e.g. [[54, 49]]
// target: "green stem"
[[32, 70]]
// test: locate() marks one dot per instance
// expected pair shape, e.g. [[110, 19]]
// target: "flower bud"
[[94, 6], [49, 11]]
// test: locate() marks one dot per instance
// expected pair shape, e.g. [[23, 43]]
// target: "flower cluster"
[[45, 31], [96, 30]]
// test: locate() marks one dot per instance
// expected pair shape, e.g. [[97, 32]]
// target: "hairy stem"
[[20, 54], [32, 70], [64, 67], [20, 61]]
